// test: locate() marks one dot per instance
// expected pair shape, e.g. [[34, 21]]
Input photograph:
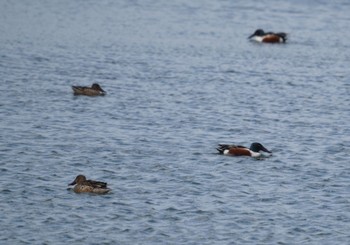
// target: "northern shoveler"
[[94, 90], [268, 37], [84, 185], [238, 150]]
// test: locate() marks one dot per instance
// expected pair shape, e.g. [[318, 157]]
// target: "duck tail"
[[75, 88], [222, 147]]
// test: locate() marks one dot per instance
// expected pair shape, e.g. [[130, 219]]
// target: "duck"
[[268, 37], [94, 90], [255, 150], [92, 186]]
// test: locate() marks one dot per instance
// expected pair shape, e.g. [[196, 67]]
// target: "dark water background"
[[181, 77]]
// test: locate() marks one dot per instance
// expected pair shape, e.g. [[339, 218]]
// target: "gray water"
[[181, 77]]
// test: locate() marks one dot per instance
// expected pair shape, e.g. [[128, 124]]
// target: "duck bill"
[[73, 183], [251, 36], [266, 150]]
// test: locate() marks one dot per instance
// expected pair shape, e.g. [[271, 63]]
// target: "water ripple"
[[180, 78]]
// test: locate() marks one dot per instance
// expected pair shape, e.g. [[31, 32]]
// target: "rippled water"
[[181, 77]]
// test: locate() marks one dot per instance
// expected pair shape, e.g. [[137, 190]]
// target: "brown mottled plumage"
[[84, 185], [94, 90]]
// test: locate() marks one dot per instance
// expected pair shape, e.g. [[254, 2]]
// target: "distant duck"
[[84, 185], [94, 90], [268, 37], [255, 150]]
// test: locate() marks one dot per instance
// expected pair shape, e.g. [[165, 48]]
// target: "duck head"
[[258, 33], [256, 147], [79, 179]]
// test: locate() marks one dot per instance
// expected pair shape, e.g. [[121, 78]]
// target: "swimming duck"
[[84, 185], [268, 37], [94, 90], [255, 150]]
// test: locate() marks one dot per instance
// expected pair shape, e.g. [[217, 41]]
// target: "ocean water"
[[181, 77]]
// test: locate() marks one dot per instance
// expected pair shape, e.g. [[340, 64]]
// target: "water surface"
[[181, 77]]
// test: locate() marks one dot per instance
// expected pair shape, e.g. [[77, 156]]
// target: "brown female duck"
[[92, 186], [94, 90]]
